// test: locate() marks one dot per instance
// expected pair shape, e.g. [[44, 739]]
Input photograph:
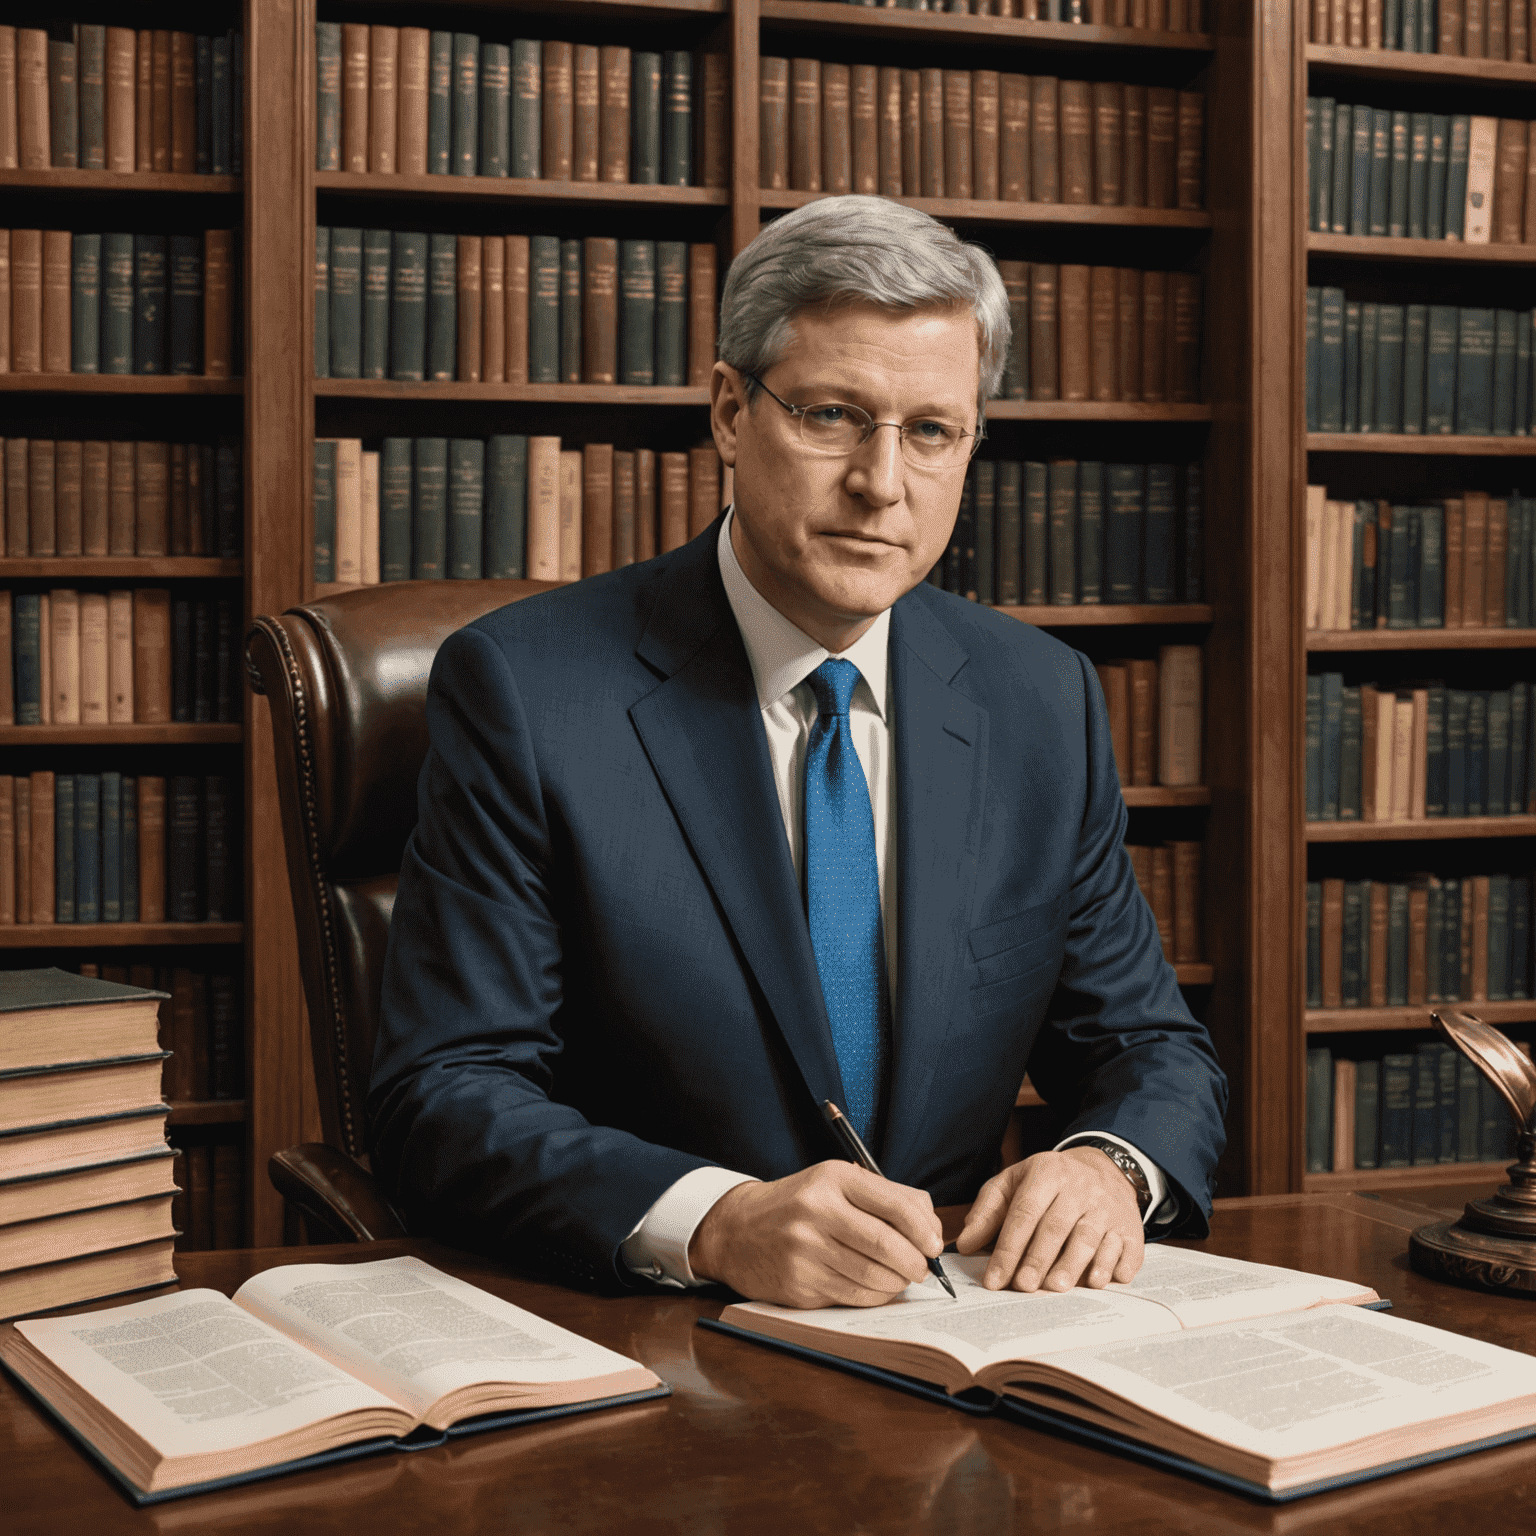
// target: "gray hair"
[[856, 248]]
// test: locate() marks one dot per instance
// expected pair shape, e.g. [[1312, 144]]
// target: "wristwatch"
[[1126, 1164]]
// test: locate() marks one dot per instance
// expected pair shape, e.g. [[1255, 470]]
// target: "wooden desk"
[[754, 1441]]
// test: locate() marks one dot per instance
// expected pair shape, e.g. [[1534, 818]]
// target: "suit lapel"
[[941, 774]]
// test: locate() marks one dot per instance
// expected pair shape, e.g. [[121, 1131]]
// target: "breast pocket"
[[1016, 945]]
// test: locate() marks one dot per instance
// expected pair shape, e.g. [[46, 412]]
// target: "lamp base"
[[1447, 1250]]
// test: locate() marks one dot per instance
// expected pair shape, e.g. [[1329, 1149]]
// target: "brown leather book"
[[1508, 223], [613, 115], [596, 509], [1183, 383], [467, 307], [1368, 750], [586, 113], [143, 102], [160, 100], [10, 153], [1013, 138], [703, 488], [559, 112], [58, 256], [1496, 568], [1178, 15], [121, 66], [151, 847], [26, 301], [152, 655], [864, 112], [1474, 558], [1043, 372], [645, 504], [958, 177], [773, 124], [151, 478], [569, 484], [888, 132], [1128, 335], [836, 129], [1015, 381], [93, 658], [805, 125], [623, 510], [1154, 336], [1187, 948], [515, 264], [121, 498], [194, 499], [1190, 162], [1494, 40], [218, 303], [67, 471], [41, 840], [355, 71], [33, 140], [1157, 15], [1465, 987], [1044, 169], [1455, 555], [7, 805], [22, 794], [1141, 867], [600, 312], [1108, 143], [383, 119], [18, 534], [93, 498], [1142, 676], [411, 86], [228, 1192], [1162, 146], [702, 305], [120, 658], [911, 133], [1075, 379], [1162, 901], [1103, 326], [932, 155], [1333, 943], [64, 631], [183, 103], [672, 527], [1530, 183], [1344, 1078], [42, 489], [1115, 681], [1076, 137], [1518, 31], [986, 170], [493, 310], [1133, 163], [713, 158]]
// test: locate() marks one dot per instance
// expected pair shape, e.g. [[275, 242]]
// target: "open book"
[[308, 1362], [1269, 1380]]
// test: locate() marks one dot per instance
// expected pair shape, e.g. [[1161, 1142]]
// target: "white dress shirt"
[[782, 657]]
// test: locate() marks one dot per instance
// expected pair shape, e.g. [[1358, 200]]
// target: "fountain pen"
[[853, 1144]]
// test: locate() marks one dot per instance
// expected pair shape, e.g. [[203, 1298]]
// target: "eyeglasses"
[[837, 429]]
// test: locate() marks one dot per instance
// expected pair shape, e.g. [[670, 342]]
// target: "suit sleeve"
[[466, 1124], [1119, 1041]]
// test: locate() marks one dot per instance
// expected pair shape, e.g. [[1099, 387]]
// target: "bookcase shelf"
[[549, 394], [1094, 410], [1399, 248], [1143, 796], [514, 189], [1392, 64], [116, 935], [1421, 639], [1448, 445], [1345, 1021], [1434, 827], [118, 384], [118, 181], [207, 1112], [1073, 615], [1424, 1176], [119, 567], [980, 210], [174, 734], [1195, 973]]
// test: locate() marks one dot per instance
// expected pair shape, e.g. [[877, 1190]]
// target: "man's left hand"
[[1058, 1218]]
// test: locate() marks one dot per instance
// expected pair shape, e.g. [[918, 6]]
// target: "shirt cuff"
[[658, 1246], [1163, 1206]]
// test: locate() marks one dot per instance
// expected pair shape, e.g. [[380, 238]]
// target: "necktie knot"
[[833, 683]]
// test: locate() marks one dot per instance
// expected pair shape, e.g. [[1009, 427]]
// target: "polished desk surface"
[[752, 1440]]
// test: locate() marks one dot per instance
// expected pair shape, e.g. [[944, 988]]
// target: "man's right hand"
[[834, 1235]]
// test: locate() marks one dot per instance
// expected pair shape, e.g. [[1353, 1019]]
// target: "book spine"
[[467, 306], [677, 119], [671, 312], [506, 472], [354, 97], [91, 67], [466, 499], [408, 306], [1319, 1109], [956, 132], [395, 509], [596, 508], [323, 510], [496, 110], [570, 311], [773, 124], [63, 106], [185, 900], [805, 125], [442, 306], [85, 305], [440, 90], [645, 138], [119, 91], [637, 329], [1108, 143], [570, 514], [328, 96], [543, 521], [864, 129], [429, 503], [185, 328], [614, 67], [412, 77], [600, 312], [183, 103], [1063, 532], [465, 127], [374, 304]]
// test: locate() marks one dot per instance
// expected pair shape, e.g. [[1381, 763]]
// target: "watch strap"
[[1133, 1171]]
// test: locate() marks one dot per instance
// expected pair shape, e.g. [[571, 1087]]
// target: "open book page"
[[419, 1335]]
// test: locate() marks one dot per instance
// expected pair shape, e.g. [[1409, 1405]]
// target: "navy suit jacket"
[[600, 974]]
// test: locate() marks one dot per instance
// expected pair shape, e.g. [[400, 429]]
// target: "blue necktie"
[[842, 894]]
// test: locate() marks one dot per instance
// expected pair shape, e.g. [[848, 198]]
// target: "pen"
[[854, 1146]]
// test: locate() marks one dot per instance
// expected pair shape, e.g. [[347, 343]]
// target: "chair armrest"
[[341, 1201]]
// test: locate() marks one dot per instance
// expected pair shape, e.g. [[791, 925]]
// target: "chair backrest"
[[346, 678]]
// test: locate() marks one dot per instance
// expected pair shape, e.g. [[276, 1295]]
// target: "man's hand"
[[833, 1235], [1068, 1215]]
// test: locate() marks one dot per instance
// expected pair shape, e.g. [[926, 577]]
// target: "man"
[[770, 821]]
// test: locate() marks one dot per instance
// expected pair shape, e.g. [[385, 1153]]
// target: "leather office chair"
[[346, 678]]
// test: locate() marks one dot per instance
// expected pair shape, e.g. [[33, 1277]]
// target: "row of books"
[[1468, 28], [1150, 15], [1101, 333], [1408, 754], [1155, 717], [1417, 368], [208, 1209], [957, 133], [1468, 562], [1066, 533], [1404, 1109], [1168, 875], [99, 98], [1420, 174], [518, 309], [425, 508], [118, 658], [407, 101], [1401, 943], [118, 848], [85, 1172], [120, 303]]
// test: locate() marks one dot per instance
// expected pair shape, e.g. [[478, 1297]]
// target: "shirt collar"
[[782, 654]]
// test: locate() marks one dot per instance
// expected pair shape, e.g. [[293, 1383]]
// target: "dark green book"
[[570, 312], [1460, 144], [1159, 535], [1397, 188], [1409, 37], [347, 303], [1523, 374], [1434, 751], [322, 301], [1090, 534], [1390, 322], [1458, 707], [466, 507], [677, 120], [85, 304], [645, 118], [228, 482], [1430, 604], [1330, 360], [1415, 365], [1035, 569], [1503, 396], [466, 103], [64, 848], [1010, 530], [984, 481], [1314, 748], [1440, 369], [1351, 365], [506, 498], [1369, 316], [1496, 793], [324, 511], [440, 104], [1123, 523], [442, 306], [1314, 896], [377, 247], [186, 304], [184, 890], [117, 303], [1434, 198], [1367, 1113], [130, 866], [1341, 200], [1477, 752], [149, 304], [223, 108], [87, 847], [1314, 356], [1332, 741], [395, 477], [1352, 966], [1474, 373], [63, 103], [1319, 1130], [1498, 938], [1447, 1100], [1450, 954], [1063, 549], [1519, 740], [1313, 180], [1469, 1106], [91, 65], [1362, 126], [1402, 570], [543, 310], [1425, 1134], [1397, 944], [429, 499], [1381, 172], [495, 109], [1519, 937], [327, 97], [1418, 176], [1192, 538], [111, 847], [1320, 111], [671, 312], [1349, 755], [637, 312], [527, 108], [1434, 942]]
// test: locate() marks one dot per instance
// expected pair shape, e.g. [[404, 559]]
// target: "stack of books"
[[1461, 27], [1144, 15], [1169, 877], [85, 1172], [1155, 716]]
